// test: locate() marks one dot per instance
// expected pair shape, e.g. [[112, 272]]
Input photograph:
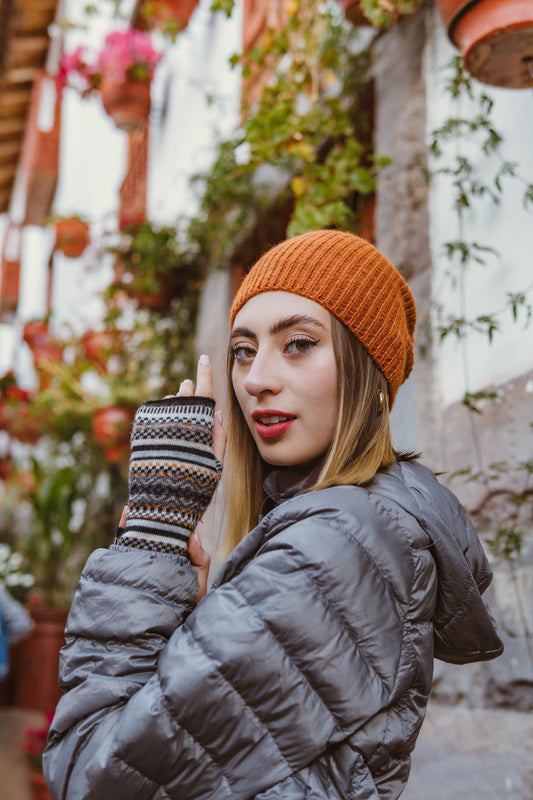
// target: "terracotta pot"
[[10, 269], [157, 299], [6, 466], [495, 38], [112, 431], [36, 660], [35, 333], [127, 103], [353, 13], [44, 350], [25, 428], [98, 346], [39, 789], [157, 13], [72, 237]]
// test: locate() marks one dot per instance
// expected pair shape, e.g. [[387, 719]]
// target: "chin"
[[281, 460]]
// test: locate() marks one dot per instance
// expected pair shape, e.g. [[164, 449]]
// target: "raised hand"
[[173, 468]]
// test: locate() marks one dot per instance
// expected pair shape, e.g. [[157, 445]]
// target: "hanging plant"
[[17, 416], [121, 72], [44, 348], [379, 13], [112, 432], [168, 16], [71, 236], [151, 267]]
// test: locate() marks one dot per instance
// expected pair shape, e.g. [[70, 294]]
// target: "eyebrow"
[[279, 326]]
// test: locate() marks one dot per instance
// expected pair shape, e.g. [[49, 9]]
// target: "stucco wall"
[[413, 222]]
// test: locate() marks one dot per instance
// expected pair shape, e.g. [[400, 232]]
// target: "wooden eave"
[[24, 45]]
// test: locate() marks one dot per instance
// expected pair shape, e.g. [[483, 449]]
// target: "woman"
[[305, 671]]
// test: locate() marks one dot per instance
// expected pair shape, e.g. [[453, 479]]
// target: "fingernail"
[[218, 415], [204, 361], [197, 540]]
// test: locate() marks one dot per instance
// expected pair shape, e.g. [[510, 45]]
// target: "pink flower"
[[125, 53]]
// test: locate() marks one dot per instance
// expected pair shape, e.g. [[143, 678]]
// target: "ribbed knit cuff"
[[173, 473]]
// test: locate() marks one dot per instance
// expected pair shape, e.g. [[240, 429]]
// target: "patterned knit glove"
[[173, 473]]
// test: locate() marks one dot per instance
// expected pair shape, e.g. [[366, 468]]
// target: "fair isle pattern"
[[173, 473]]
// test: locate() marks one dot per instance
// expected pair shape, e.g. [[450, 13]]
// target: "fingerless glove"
[[173, 473]]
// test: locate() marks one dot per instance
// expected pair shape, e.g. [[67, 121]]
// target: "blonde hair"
[[361, 443]]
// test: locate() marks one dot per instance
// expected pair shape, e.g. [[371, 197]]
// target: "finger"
[[186, 388], [219, 437], [123, 517], [199, 557], [204, 379]]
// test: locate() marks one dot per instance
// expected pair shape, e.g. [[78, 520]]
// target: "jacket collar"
[[283, 483]]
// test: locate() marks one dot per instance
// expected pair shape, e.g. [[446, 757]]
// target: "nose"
[[263, 377]]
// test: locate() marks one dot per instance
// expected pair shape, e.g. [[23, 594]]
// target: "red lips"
[[271, 423]]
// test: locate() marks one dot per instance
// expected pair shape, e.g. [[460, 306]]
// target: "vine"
[[304, 148], [508, 484]]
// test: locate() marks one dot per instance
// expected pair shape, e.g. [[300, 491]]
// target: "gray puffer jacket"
[[302, 675]]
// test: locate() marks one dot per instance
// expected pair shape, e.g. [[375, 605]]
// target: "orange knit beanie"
[[350, 278]]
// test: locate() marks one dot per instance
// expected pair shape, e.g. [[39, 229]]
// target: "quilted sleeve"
[[269, 670]]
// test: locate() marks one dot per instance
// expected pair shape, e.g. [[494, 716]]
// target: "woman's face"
[[285, 376]]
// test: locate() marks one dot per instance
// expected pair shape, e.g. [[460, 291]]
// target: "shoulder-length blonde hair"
[[361, 444]]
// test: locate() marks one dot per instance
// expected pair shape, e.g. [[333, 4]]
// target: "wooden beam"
[[7, 173], [11, 97], [21, 75], [10, 126], [10, 148]]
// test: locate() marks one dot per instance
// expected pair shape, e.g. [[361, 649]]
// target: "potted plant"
[[56, 550], [121, 72], [10, 268], [44, 348], [16, 411], [168, 16], [494, 38], [379, 13], [71, 236], [150, 265], [112, 431], [34, 743]]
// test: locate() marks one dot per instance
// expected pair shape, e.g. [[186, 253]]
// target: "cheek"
[[238, 389], [323, 389]]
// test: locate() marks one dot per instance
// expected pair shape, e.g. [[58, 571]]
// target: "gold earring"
[[381, 402]]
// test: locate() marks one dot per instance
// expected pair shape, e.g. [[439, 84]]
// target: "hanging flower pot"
[[121, 71], [35, 333], [72, 236], [6, 464], [112, 431], [127, 103], [44, 348], [495, 38], [379, 13], [98, 346], [168, 16], [353, 12], [16, 417], [10, 269]]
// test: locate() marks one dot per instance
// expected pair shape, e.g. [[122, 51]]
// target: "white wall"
[[507, 227], [196, 103]]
